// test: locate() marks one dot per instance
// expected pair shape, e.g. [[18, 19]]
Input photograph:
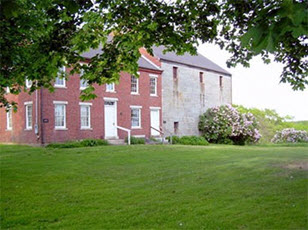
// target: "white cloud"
[[258, 86]]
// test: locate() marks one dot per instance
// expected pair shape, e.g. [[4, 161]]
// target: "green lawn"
[[157, 187]]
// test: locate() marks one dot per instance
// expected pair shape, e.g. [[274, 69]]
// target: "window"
[[175, 73], [9, 120], [134, 85], [136, 116], [60, 81], [201, 77], [110, 87], [28, 115], [153, 85], [28, 83], [85, 115], [83, 83], [109, 103], [220, 81], [176, 127], [60, 115]]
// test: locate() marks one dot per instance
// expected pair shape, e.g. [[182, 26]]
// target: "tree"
[[40, 36]]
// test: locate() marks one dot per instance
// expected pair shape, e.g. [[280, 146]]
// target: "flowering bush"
[[224, 124], [290, 135]]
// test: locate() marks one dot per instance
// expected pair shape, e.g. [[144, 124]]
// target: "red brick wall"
[[19, 133], [71, 94]]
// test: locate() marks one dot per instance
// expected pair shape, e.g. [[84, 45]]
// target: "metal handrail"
[[169, 136], [126, 130], [161, 132]]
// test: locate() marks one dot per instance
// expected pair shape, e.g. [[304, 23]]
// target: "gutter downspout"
[[36, 127], [41, 115]]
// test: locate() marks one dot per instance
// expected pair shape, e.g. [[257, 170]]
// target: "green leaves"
[[10, 8], [39, 36]]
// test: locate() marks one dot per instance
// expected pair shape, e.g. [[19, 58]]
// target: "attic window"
[[220, 81], [175, 72], [201, 77]]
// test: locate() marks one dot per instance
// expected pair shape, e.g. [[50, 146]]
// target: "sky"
[[258, 86]]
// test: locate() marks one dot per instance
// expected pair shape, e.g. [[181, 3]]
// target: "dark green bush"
[[136, 141], [188, 140], [78, 144], [93, 142]]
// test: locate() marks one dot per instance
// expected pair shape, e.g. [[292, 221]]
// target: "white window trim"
[[28, 86], [61, 103], [27, 118], [28, 103], [61, 86], [7, 120], [110, 91], [64, 80], [137, 85], [88, 105], [135, 107], [85, 103], [156, 77], [82, 88], [110, 99], [155, 108], [139, 109]]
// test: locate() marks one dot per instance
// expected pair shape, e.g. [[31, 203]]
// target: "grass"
[[157, 187]]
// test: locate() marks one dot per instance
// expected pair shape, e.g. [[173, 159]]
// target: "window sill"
[[9, 130], [86, 129], [60, 87], [83, 88], [61, 129], [134, 93], [28, 129], [136, 127], [153, 95], [111, 92]]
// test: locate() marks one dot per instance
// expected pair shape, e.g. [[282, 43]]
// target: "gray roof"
[[198, 61], [142, 62]]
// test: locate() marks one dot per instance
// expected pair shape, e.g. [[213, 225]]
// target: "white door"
[[155, 122], [110, 119]]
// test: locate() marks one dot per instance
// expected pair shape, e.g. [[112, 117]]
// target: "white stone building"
[[190, 85]]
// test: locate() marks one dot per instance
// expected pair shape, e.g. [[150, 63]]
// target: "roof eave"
[[197, 67]]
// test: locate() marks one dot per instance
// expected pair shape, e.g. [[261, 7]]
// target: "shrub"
[[93, 142], [269, 122], [290, 135], [136, 140], [188, 140], [225, 125], [77, 144]]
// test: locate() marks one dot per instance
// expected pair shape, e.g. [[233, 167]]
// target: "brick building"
[[170, 95], [44, 117]]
